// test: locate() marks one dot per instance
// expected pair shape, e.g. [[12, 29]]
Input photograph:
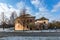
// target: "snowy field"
[[6, 30], [11, 30], [30, 38]]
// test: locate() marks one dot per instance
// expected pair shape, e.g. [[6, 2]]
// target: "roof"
[[27, 15], [43, 18]]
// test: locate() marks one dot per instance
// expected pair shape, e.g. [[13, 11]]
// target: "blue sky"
[[39, 8]]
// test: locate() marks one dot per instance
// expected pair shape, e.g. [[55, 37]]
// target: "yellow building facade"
[[21, 23], [40, 22]]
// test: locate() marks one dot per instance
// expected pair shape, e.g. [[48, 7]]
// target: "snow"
[[6, 30], [30, 38], [12, 30]]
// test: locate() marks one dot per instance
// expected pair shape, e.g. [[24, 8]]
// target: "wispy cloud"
[[39, 5], [7, 9], [43, 11], [36, 3], [56, 11], [20, 5], [28, 10], [56, 7]]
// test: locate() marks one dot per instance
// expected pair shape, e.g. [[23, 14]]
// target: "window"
[[30, 20], [27, 26], [27, 20]]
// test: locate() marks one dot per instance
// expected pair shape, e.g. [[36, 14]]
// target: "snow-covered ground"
[[6, 30], [58, 30], [30, 38], [12, 30]]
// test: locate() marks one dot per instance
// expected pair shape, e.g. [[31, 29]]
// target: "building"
[[22, 22], [41, 21]]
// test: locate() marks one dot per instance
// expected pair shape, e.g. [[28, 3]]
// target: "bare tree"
[[3, 20], [13, 17]]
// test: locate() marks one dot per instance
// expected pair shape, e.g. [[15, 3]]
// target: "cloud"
[[29, 10], [20, 5], [56, 7], [7, 9], [35, 2], [43, 11], [56, 11], [40, 6]]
